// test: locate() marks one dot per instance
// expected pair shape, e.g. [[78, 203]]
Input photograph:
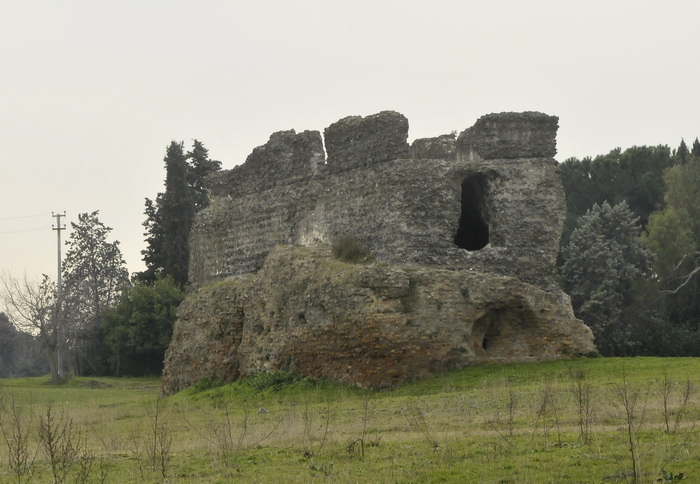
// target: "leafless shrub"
[[61, 443], [547, 414], [467, 407], [417, 421], [630, 404], [681, 411], [86, 460], [136, 446], [312, 441], [160, 439], [581, 389], [224, 436], [503, 422], [227, 438], [667, 390], [677, 437], [230, 444], [357, 446], [15, 427], [152, 451], [511, 405]]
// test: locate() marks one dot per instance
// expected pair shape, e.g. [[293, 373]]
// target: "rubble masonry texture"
[[464, 231]]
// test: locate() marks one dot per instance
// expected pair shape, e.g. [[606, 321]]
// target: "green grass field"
[[588, 420]]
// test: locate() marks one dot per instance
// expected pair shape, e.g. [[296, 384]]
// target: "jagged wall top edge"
[[355, 142]]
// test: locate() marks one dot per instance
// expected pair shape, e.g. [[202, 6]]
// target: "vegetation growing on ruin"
[[350, 249]]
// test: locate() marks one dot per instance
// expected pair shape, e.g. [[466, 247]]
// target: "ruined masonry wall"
[[403, 201]]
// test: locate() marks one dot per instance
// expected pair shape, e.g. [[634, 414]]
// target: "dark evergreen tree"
[[695, 151], [681, 154], [200, 166], [648, 179], [176, 214], [169, 218], [153, 254], [634, 176], [604, 258], [138, 330]]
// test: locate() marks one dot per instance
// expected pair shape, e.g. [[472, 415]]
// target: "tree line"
[[629, 259], [105, 322], [630, 252]]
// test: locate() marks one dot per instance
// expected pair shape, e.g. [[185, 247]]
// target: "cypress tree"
[[199, 167], [682, 152], [169, 218], [176, 214], [695, 151]]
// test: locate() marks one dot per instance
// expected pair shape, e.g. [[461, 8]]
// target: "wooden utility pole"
[[59, 295]]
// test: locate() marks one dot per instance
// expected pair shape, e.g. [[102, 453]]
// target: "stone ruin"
[[475, 217], [489, 199]]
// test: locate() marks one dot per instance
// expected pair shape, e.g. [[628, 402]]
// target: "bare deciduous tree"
[[32, 307]]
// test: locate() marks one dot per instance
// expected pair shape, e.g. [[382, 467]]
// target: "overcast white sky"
[[92, 92]]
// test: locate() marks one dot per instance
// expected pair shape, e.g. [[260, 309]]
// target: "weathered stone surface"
[[287, 157], [355, 142], [441, 148], [207, 332], [373, 325], [405, 210], [511, 135], [465, 233]]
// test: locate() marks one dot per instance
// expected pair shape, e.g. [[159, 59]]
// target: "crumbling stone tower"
[[464, 230], [490, 199]]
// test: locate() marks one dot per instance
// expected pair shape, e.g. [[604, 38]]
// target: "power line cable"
[[35, 229], [25, 216]]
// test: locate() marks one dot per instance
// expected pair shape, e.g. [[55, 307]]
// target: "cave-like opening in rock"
[[505, 331], [473, 230], [486, 333]]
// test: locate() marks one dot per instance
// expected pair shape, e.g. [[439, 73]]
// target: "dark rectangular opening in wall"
[[473, 230]]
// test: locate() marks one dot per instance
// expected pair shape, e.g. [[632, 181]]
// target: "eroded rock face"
[[372, 325]]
